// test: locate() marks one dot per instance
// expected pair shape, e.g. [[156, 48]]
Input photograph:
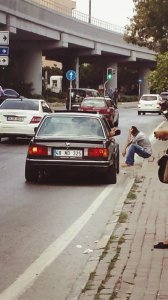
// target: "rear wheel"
[[111, 174], [139, 113], [31, 174]]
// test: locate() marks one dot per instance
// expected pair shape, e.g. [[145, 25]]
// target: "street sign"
[[4, 60], [4, 37], [71, 75], [4, 50]]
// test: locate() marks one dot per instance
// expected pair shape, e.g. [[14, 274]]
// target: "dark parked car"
[[8, 93], [77, 95], [73, 141]]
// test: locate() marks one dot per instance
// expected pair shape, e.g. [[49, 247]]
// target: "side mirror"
[[35, 129]]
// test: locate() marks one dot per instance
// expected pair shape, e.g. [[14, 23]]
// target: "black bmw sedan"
[[73, 141]]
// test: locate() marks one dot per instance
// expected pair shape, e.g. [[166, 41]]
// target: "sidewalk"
[[129, 267]]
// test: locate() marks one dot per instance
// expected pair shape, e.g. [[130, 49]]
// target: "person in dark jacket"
[[162, 135]]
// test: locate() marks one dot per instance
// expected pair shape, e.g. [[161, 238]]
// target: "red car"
[[100, 105]]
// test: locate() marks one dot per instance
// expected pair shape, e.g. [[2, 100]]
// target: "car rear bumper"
[[18, 131], [149, 110], [63, 165]]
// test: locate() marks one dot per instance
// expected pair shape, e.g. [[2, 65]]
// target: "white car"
[[149, 103], [19, 116]]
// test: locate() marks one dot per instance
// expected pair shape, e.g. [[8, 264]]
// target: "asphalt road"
[[46, 228]]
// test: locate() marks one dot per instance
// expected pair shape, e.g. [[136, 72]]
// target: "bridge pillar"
[[144, 86], [77, 72], [32, 69]]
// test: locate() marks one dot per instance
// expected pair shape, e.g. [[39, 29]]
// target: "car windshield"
[[149, 97], [71, 126], [20, 104], [93, 103]]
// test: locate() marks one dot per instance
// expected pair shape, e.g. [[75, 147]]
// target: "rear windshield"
[[93, 103], [20, 104], [149, 98], [78, 95], [70, 126]]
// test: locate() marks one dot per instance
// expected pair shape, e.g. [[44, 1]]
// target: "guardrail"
[[50, 4]]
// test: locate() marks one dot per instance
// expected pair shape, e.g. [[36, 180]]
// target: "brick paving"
[[131, 269]]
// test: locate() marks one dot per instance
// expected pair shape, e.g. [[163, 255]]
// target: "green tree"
[[91, 75], [149, 25], [158, 79]]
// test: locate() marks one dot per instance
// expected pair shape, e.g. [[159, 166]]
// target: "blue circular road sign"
[[71, 75]]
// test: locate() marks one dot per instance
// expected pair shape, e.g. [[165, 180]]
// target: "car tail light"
[[104, 111], [38, 150], [35, 119], [98, 152]]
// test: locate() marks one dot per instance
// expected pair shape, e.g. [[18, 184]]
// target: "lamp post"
[[90, 10]]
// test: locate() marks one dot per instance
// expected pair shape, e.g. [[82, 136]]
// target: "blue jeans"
[[134, 148]]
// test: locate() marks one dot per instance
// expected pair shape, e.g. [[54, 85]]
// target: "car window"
[[109, 102], [99, 103], [149, 97], [9, 92], [20, 104], [45, 107], [71, 126], [164, 96]]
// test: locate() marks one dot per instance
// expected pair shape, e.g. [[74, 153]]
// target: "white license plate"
[[15, 118], [67, 153]]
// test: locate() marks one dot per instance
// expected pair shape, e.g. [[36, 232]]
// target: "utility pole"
[[90, 10]]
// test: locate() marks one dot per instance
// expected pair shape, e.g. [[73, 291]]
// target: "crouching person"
[[137, 143]]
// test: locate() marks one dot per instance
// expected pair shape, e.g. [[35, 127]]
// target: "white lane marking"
[[26, 279]]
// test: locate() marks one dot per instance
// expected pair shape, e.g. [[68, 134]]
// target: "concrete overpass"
[[36, 30]]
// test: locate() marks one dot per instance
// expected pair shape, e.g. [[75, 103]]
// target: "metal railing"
[[51, 4]]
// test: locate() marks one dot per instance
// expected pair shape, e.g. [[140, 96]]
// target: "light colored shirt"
[[142, 140]]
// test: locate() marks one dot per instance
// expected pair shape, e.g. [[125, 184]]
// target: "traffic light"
[[109, 73]]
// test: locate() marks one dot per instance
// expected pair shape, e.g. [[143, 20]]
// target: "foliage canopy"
[[149, 25], [158, 79]]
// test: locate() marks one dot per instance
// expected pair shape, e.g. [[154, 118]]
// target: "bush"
[[125, 98], [54, 97]]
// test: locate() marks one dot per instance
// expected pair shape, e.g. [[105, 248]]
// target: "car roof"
[[76, 113], [83, 89], [150, 95], [22, 99], [95, 97]]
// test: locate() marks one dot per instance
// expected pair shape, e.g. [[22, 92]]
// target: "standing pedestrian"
[[137, 143], [163, 172], [115, 97]]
